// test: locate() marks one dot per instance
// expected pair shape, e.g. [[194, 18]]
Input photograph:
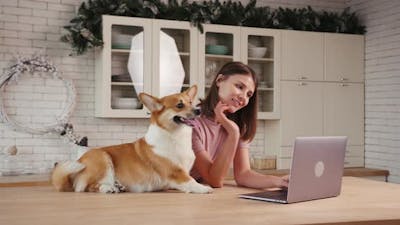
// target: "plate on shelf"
[[217, 49], [125, 103]]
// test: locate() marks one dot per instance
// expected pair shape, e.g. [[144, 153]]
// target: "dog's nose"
[[197, 111]]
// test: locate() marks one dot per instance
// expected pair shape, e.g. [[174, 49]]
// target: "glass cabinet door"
[[260, 51], [218, 45], [174, 56], [126, 68]]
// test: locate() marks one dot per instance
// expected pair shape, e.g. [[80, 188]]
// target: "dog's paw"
[[109, 189], [204, 189], [200, 188], [120, 187]]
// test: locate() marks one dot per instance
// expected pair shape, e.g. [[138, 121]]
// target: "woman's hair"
[[245, 118]]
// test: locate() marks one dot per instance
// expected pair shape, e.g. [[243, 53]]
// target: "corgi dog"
[[160, 160]]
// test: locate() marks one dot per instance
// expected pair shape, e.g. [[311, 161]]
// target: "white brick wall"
[[382, 84], [34, 26]]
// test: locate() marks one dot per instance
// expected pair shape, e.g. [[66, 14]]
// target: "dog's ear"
[[192, 91], [152, 103]]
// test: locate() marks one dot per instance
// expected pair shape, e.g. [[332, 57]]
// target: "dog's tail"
[[60, 177]]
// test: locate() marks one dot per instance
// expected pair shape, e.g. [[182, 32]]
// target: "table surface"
[[362, 201]]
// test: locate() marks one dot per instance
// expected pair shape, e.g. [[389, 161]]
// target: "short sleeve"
[[198, 140]]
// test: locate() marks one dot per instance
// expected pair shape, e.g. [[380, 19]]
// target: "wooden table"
[[362, 200]]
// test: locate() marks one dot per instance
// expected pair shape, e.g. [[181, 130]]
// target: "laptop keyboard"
[[280, 195]]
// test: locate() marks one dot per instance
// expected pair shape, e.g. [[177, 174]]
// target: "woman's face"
[[235, 90]]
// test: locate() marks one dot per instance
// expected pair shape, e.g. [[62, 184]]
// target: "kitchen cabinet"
[[344, 57], [158, 57], [302, 55]]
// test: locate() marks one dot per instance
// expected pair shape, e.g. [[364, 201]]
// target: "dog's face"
[[172, 111]]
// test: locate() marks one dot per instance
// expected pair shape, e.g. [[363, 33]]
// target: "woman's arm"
[[244, 176], [214, 172]]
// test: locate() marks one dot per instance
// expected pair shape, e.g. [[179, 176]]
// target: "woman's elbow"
[[240, 179], [239, 182], [216, 183]]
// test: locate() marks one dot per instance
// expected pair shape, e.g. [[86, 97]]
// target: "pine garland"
[[84, 31]]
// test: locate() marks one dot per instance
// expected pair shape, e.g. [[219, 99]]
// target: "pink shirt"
[[209, 136]]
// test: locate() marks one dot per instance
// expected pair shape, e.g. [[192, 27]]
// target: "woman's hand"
[[220, 116], [282, 182]]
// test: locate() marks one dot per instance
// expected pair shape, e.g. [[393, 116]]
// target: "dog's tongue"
[[186, 121], [189, 122]]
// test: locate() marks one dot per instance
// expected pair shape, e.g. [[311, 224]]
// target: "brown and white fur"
[[160, 160]]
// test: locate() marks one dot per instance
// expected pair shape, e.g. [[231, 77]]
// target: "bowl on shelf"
[[125, 103], [257, 52], [217, 49], [264, 84]]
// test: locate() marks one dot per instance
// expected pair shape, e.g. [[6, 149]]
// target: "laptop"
[[316, 171]]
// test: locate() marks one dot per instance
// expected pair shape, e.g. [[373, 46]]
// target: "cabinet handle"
[[344, 85], [344, 79], [302, 83]]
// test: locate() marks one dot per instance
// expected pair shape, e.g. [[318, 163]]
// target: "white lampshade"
[[172, 72]]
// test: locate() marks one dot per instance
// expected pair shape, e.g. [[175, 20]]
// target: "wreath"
[[40, 64]]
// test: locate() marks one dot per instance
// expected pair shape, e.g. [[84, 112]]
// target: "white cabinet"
[[218, 44], [317, 101], [142, 55], [322, 109], [344, 111], [173, 41], [318, 108], [318, 56], [259, 48], [115, 93], [137, 56], [344, 57], [302, 55], [266, 65], [301, 110]]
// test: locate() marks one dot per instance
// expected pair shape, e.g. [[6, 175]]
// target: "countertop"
[[362, 201]]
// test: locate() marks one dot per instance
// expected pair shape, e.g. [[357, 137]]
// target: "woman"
[[227, 124]]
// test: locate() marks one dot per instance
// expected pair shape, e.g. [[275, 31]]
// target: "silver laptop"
[[316, 171]]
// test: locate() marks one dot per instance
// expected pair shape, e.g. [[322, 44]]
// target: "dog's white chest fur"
[[176, 146]]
